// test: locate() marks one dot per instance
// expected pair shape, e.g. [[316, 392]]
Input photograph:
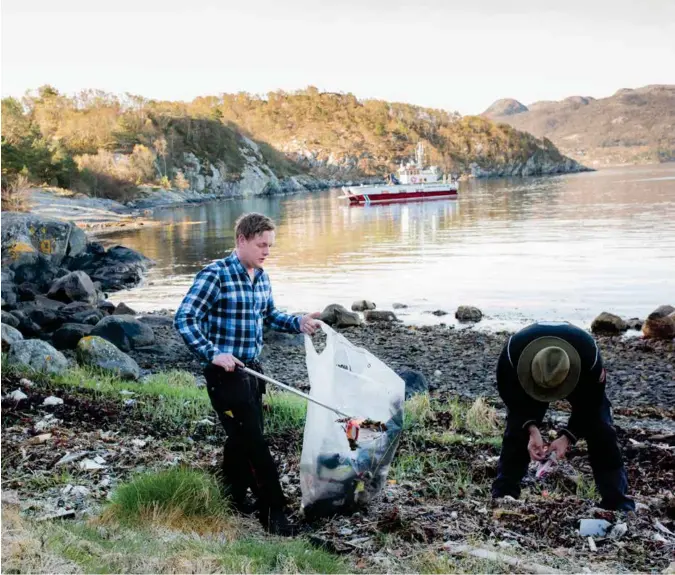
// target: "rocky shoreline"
[[55, 312]]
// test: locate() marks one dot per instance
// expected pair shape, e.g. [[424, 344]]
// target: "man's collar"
[[233, 259]]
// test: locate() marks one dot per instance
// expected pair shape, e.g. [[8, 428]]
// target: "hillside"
[[233, 144], [632, 126]]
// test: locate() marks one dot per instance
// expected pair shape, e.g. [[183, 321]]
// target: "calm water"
[[520, 249]]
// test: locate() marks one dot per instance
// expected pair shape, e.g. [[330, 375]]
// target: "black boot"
[[275, 522], [243, 506]]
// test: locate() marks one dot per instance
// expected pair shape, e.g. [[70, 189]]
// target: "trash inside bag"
[[341, 471]]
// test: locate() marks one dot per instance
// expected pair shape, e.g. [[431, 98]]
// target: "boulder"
[[38, 270], [77, 307], [379, 315], [27, 292], [10, 336], [76, 286], [362, 305], [634, 323], [608, 324], [338, 316], [9, 319], [468, 313], [107, 307], [124, 331], [8, 290], [92, 317], [97, 352], [48, 303], [47, 319], [38, 355], [660, 324], [69, 334], [415, 382], [123, 309], [439, 313], [26, 233], [399, 306], [116, 269], [27, 326]]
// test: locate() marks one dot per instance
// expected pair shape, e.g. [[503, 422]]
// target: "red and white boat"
[[413, 182]]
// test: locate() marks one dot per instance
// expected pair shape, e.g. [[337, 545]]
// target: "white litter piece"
[[18, 395], [90, 465], [70, 457], [591, 545], [138, 443], [618, 531], [52, 400]]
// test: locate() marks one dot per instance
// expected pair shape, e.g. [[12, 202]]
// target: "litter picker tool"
[[352, 424]]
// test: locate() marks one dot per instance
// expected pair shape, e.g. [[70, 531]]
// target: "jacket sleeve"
[[586, 401], [201, 297]]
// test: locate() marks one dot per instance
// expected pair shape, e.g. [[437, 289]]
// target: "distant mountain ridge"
[[633, 126]]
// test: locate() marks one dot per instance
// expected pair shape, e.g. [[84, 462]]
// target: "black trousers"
[[247, 461], [603, 452]]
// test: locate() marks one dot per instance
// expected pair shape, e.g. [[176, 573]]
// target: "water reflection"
[[538, 248]]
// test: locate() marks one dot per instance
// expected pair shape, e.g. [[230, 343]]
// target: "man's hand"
[[227, 361], [536, 445], [309, 323], [560, 446]]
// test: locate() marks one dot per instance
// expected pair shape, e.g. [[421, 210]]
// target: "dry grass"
[[481, 419], [16, 194], [23, 552]]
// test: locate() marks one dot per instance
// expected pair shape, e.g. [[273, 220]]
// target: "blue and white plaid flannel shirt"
[[224, 311]]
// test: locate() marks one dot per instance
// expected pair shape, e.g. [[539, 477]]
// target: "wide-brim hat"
[[527, 381]]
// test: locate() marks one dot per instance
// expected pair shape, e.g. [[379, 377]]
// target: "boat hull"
[[403, 196]]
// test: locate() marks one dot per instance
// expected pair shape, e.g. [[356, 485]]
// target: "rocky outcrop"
[[124, 331], [608, 324], [74, 287], [339, 316], [115, 269], [70, 334], [10, 336], [37, 355], [97, 352], [363, 305], [379, 315], [467, 313], [660, 324], [25, 235]]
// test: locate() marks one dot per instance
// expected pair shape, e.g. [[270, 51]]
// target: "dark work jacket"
[[585, 399]]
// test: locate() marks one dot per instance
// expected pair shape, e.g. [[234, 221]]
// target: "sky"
[[454, 55]]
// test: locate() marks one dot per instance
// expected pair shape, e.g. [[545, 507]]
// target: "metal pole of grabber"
[[295, 391]]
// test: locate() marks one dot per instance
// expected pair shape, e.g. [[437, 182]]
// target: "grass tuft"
[[481, 419], [284, 412], [170, 496]]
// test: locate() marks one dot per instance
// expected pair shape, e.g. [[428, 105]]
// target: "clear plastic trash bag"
[[334, 478]]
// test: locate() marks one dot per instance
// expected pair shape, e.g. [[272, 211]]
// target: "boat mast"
[[419, 153]]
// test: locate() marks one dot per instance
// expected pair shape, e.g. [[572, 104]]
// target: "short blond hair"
[[251, 224]]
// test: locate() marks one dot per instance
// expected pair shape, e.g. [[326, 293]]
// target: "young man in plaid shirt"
[[221, 320]]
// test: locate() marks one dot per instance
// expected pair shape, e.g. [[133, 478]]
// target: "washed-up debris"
[[70, 458], [127, 392], [80, 491], [138, 443], [130, 402], [661, 527], [61, 514], [618, 531], [18, 395], [206, 421], [98, 459], [594, 527], [38, 439], [481, 553], [47, 422], [91, 465], [51, 401], [26, 382], [591, 545]]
